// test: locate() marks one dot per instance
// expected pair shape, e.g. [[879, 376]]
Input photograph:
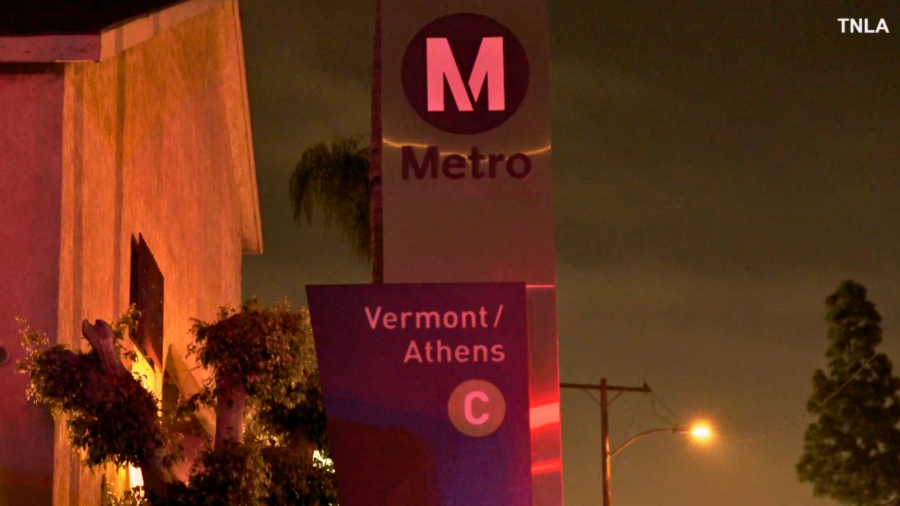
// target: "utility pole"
[[604, 425], [604, 435]]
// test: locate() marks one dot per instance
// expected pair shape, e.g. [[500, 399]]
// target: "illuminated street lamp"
[[700, 432]]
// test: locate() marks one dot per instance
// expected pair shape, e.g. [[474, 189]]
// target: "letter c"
[[476, 408], [468, 407]]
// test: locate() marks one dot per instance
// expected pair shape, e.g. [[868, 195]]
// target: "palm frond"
[[335, 178]]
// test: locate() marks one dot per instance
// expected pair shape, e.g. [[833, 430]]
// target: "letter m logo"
[[488, 70]]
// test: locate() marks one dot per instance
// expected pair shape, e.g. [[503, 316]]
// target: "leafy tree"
[[852, 452], [264, 387]]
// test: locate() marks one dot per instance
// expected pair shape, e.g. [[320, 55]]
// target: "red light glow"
[[545, 414], [547, 466]]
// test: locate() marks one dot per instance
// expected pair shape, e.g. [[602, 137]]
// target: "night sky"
[[719, 168]]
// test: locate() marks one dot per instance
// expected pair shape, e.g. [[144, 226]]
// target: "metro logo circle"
[[465, 73]]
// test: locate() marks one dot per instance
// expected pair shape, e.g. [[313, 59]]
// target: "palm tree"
[[335, 178], [344, 179]]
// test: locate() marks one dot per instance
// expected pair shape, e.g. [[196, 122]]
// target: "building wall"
[[30, 153], [147, 149]]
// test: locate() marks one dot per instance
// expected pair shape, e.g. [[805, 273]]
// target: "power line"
[[677, 419], [632, 418], [807, 415]]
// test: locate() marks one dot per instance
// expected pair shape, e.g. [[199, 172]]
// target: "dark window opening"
[[147, 294]]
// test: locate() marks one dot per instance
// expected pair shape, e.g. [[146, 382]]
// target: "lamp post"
[[698, 432]]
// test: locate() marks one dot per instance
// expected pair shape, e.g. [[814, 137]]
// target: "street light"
[[700, 432]]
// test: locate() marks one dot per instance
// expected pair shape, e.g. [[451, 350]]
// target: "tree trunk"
[[375, 170], [231, 399], [301, 446], [103, 339], [157, 477]]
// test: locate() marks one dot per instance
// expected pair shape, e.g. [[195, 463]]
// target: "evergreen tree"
[[852, 452]]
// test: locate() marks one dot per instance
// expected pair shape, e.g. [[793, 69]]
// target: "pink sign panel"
[[426, 392]]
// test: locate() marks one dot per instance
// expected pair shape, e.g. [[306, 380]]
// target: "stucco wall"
[[30, 154], [147, 150]]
